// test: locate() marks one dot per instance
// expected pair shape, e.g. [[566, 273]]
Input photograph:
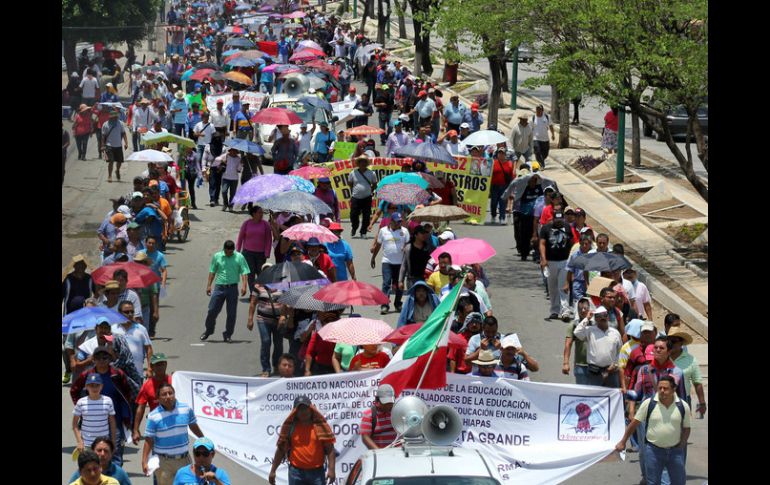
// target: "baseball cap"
[[159, 357], [324, 180], [600, 309], [386, 394], [580, 212], [133, 225], [94, 379], [300, 400], [475, 107], [465, 125], [422, 93], [137, 194], [220, 101], [569, 209], [550, 187], [447, 236], [352, 89], [396, 217], [451, 133], [648, 327], [102, 349], [204, 442], [335, 226]]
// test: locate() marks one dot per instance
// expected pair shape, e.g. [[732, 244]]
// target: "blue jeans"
[[498, 203], [581, 374], [389, 279], [657, 460], [117, 457], [306, 477], [228, 191], [222, 293], [268, 334], [268, 87], [215, 185]]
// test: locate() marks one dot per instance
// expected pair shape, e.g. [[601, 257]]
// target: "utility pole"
[[514, 76], [619, 168], [355, 8]]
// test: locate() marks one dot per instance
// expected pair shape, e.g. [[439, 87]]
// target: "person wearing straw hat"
[[112, 133], [81, 128], [142, 121], [679, 338], [485, 364], [522, 136], [179, 110]]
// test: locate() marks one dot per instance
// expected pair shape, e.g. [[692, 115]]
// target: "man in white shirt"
[[220, 118], [392, 239], [522, 137], [142, 120], [304, 138], [233, 165], [602, 348], [352, 96], [454, 145], [424, 108], [203, 131], [643, 303], [90, 87], [541, 123], [137, 337]]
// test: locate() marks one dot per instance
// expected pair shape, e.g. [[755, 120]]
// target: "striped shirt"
[[168, 429], [94, 417], [384, 434]]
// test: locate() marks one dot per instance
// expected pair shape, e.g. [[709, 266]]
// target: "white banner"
[[533, 432], [253, 98]]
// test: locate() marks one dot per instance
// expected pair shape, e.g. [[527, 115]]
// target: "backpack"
[[654, 403], [547, 118]]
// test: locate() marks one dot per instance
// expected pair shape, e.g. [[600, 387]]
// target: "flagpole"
[[444, 329]]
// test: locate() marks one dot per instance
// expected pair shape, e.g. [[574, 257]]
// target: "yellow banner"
[[470, 176]]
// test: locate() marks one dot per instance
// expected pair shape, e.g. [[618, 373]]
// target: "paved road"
[[516, 292]]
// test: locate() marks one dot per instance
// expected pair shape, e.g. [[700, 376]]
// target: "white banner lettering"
[[251, 97], [533, 432]]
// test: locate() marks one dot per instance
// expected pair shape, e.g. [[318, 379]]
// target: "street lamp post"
[[620, 167], [514, 76], [355, 8]]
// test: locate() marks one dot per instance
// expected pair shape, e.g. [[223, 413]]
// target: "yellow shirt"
[[664, 428], [103, 480], [436, 280]]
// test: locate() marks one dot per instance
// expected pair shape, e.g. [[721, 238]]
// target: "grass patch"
[[686, 234]]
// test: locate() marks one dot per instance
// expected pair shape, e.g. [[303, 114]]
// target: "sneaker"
[[227, 338], [384, 309], [224, 207], [211, 204], [353, 234], [398, 308], [65, 379], [553, 316], [205, 336]]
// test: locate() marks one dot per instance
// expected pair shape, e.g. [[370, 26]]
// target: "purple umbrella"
[[402, 194], [270, 68], [427, 151], [262, 187]]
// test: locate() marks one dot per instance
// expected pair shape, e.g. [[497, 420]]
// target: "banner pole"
[[444, 329]]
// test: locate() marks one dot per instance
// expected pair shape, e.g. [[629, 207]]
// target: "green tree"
[[99, 21]]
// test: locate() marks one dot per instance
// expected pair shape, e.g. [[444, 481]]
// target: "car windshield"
[[304, 112], [434, 480]]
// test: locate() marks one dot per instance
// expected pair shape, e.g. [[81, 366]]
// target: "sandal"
[[264, 374]]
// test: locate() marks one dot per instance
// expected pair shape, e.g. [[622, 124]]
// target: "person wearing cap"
[[220, 119], [384, 102], [81, 128], [485, 364], [227, 268], [91, 472], [321, 261], [324, 143], [392, 239], [397, 139], [166, 435], [503, 172], [93, 415], [376, 429], [556, 240], [603, 345], [202, 467], [352, 96], [115, 385], [341, 254], [514, 360], [424, 109], [473, 119], [454, 114], [179, 111], [641, 334], [523, 214], [233, 108], [326, 194], [522, 137], [110, 95], [453, 144], [362, 182], [148, 393], [680, 338], [307, 441], [541, 124]]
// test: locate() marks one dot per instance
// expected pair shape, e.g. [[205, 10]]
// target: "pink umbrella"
[[310, 172], [303, 232], [308, 44], [270, 68], [356, 331], [306, 55], [352, 293], [295, 15], [276, 116], [466, 250]]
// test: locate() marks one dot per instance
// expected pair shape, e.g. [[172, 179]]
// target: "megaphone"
[[441, 425], [407, 415], [296, 85]]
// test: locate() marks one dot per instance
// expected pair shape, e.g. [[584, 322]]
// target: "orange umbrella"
[[239, 77], [364, 131]]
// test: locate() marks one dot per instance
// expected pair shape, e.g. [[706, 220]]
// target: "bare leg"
[[109, 171]]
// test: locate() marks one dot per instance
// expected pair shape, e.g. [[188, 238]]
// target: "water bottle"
[[546, 273]]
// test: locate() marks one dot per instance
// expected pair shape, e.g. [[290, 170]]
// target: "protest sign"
[[532, 432]]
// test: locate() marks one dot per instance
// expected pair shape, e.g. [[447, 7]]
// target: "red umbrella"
[[276, 116], [112, 54], [320, 65], [310, 172], [352, 293], [201, 74], [400, 335], [139, 275]]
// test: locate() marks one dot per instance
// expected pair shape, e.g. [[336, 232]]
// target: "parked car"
[[526, 53], [677, 120], [292, 103]]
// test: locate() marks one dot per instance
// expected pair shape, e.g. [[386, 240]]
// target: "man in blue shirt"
[[454, 113], [474, 118], [179, 111], [193, 118], [150, 217], [202, 470], [283, 50], [233, 108], [324, 140]]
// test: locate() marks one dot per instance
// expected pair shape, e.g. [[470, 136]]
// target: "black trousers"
[[541, 151], [522, 232], [360, 207]]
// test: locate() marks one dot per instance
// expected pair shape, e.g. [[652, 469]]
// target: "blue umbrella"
[[404, 178], [86, 318], [199, 5], [302, 185], [187, 74], [230, 52], [426, 151], [241, 62], [245, 146], [316, 102]]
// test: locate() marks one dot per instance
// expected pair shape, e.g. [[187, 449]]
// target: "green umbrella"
[[404, 178], [155, 138]]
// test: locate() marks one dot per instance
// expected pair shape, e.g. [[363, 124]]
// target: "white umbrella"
[[149, 156], [484, 138]]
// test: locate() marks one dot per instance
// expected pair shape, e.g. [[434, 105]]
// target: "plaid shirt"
[[647, 377]]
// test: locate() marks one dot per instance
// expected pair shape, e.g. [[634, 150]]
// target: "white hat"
[[123, 209], [447, 236], [109, 85], [465, 125], [510, 341], [179, 95], [404, 117], [600, 309], [647, 326]]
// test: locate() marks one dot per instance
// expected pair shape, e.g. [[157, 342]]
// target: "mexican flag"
[[407, 366]]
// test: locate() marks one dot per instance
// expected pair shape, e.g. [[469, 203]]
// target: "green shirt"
[[228, 269], [580, 346], [690, 369], [347, 352]]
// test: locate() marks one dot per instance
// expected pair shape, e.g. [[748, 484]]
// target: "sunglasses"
[[203, 453]]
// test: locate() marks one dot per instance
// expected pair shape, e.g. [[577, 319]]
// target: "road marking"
[[197, 345]]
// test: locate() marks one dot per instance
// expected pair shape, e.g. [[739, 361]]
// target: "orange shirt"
[[307, 452]]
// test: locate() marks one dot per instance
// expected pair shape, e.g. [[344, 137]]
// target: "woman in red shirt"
[[502, 174], [370, 358], [321, 260], [610, 132], [82, 130], [318, 358]]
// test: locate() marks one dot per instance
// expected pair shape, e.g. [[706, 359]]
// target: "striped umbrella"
[[310, 172], [302, 298], [356, 331], [364, 131], [400, 193]]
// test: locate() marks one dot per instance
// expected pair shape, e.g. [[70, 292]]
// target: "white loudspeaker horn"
[[296, 85], [442, 425], [406, 416]]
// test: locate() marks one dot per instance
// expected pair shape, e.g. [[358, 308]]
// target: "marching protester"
[[376, 429]]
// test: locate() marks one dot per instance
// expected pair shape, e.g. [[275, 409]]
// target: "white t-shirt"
[[95, 417], [89, 87], [304, 141], [393, 243], [630, 292], [232, 168], [540, 127], [137, 338], [456, 149], [205, 133], [642, 297]]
